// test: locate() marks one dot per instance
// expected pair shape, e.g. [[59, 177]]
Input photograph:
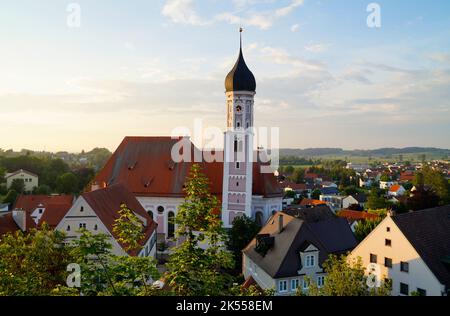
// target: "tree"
[[345, 278], [33, 264], [422, 199], [42, 190], [364, 228], [298, 175], [385, 178], [196, 265], [436, 181], [128, 228], [375, 201], [316, 194], [244, 229], [18, 185], [11, 197], [67, 183]]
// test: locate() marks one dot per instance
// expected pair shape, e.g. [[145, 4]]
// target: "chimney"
[[19, 218], [280, 223]]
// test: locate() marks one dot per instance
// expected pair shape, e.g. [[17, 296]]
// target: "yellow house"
[[30, 179], [412, 250]]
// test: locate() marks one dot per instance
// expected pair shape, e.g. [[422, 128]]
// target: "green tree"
[[18, 185], [11, 197], [67, 183], [42, 190], [33, 264], [196, 265], [345, 278], [316, 194], [385, 178], [375, 201], [129, 229], [364, 228], [244, 229], [436, 181]]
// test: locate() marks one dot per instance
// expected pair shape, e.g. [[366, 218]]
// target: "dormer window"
[[310, 261]]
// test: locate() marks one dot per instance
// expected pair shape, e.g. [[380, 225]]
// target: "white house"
[[412, 250], [333, 201], [355, 199], [30, 179], [97, 211], [385, 185], [288, 248]]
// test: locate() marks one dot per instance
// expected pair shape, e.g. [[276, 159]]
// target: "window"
[[82, 209], [237, 183], [40, 211], [282, 286], [95, 227], [294, 285], [238, 165], [238, 124], [388, 229], [388, 242], [421, 292], [150, 213], [404, 266], [388, 262], [160, 209], [320, 281], [373, 258], [305, 285], [238, 108], [68, 228], [404, 289], [82, 225], [310, 261]]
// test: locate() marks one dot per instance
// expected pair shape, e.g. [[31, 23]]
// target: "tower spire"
[[240, 37]]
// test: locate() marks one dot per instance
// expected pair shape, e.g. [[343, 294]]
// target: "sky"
[[145, 68]]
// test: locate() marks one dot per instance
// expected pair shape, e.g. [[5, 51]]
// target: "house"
[[4, 207], [333, 201], [329, 191], [288, 248], [97, 211], [14, 221], [385, 185], [396, 190], [44, 208], [412, 250], [30, 179], [407, 176], [354, 199], [355, 217], [365, 183], [149, 169]]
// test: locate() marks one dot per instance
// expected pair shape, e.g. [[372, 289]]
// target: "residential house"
[[385, 185], [30, 179], [407, 176], [412, 250], [354, 199], [333, 201], [396, 190], [288, 249], [97, 211]]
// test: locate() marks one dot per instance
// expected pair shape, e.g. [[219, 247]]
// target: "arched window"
[[82, 209], [150, 213], [95, 227], [259, 219], [171, 225], [68, 228]]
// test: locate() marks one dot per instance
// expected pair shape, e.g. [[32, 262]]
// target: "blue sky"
[[146, 67]]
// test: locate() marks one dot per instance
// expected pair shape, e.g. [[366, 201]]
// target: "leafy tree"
[[364, 228], [316, 194], [244, 229], [18, 185], [345, 278], [129, 228], [298, 175], [11, 197], [421, 199], [375, 201], [42, 190], [385, 178], [33, 264], [84, 176], [196, 265], [67, 183], [436, 181]]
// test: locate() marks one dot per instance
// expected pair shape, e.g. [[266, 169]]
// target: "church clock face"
[[239, 109]]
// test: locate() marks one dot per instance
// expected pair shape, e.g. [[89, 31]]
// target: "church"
[[144, 165]]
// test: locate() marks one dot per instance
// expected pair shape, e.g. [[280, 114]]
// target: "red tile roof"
[[407, 176], [106, 204], [395, 188], [352, 216], [9, 225], [144, 165], [310, 202]]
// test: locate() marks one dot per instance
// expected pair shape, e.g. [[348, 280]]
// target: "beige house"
[[30, 179], [412, 250]]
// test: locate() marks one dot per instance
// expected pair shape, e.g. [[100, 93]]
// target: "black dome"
[[240, 77]]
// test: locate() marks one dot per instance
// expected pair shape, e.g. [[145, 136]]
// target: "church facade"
[[144, 165]]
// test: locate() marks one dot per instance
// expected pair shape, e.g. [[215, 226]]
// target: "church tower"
[[240, 85]]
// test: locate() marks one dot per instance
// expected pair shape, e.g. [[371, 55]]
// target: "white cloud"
[[182, 12], [316, 47], [295, 27]]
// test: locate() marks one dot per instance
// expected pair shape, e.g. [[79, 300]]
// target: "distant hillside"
[[409, 153]]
